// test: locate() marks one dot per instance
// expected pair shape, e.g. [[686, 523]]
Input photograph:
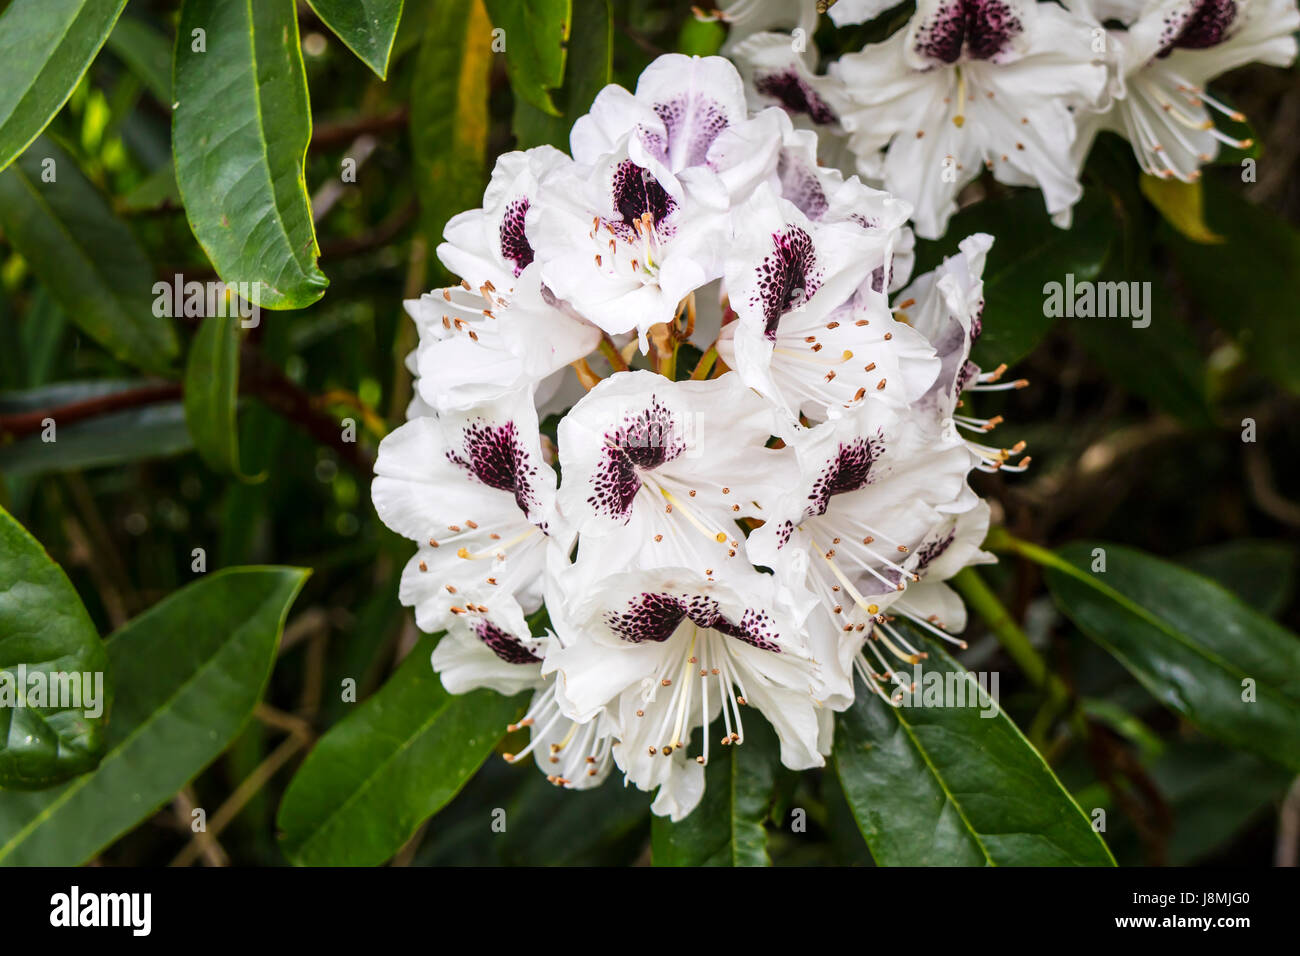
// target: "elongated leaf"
[[87, 258], [1028, 253], [449, 112], [1197, 648], [726, 829], [536, 34], [389, 766], [240, 130], [1248, 284], [1260, 573], [45, 630], [590, 69], [188, 673], [1212, 793], [1183, 206], [147, 52], [367, 27], [1160, 362], [212, 392], [945, 786], [45, 46]]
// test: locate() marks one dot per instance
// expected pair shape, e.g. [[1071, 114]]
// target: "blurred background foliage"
[[1136, 434]]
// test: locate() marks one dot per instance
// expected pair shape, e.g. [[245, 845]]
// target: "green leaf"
[[1212, 793], [536, 35], [449, 113], [134, 434], [1191, 643], [1028, 252], [726, 829], [1248, 284], [946, 786], [148, 54], [1183, 206], [590, 70], [240, 130], [382, 771], [212, 392], [45, 46], [45, 629], [1261, 573], [367, 27], [188, 673], [155, 191], [87, 258], [1160, 362]]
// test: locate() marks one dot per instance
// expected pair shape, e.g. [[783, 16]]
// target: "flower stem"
[[705, 364], [999, 621], [608, 349]]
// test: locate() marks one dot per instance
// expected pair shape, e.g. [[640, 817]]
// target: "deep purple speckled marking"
[[794, 93], [495, 455], [931, 550], [644, 441], [1206, 23], [505, 646], [514, 244], [967, 374], [637, 192], [656, 617], [981, 29], [787, 278], [849, 470]]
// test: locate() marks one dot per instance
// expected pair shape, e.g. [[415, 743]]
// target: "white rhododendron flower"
[[971, 84], [1161, 61], [756, 536]]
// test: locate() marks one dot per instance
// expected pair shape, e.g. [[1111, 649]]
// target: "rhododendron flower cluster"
[[665, 550], [1019, 88]]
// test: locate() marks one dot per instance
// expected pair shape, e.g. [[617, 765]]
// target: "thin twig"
[[21, 424], [330, 135], [243, 793]]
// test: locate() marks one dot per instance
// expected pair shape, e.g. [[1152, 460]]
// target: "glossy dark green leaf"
[[1028, 252], [240, 130], [147, 52], [212, 392], [1198, 649], [87, 258], [45, 631], [551, 826], [45, 46], [726, 829], [590, 69], [386, 768], [367, 27], [1160, 362], [946, 786], [187, 675], [149, 431], [536, 36], [1261, 573], [156, 190], [1212, 792], [1248, 284], [449, 113]]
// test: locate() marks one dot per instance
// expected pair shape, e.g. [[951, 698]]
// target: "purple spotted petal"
[[849, 470], [495, 455]]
